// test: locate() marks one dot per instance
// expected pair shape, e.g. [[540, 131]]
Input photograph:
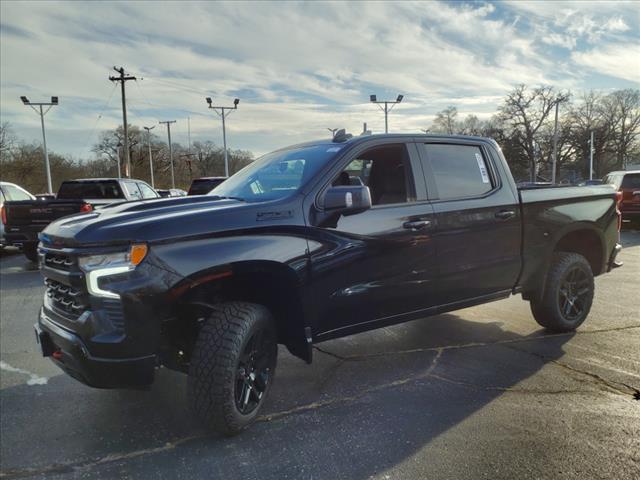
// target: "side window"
[[631, 180], [146, 190], [132, 190], [385, 170], [459, 170], [16, 194]]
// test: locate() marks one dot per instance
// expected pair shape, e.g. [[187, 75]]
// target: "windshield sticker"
[[334, 149], [483, 169]]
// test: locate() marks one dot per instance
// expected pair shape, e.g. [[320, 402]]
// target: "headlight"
[[128, 259], [98, 266]]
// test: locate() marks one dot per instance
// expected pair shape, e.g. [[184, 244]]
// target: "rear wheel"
[[232, 366], [31, 252], [568, 293]]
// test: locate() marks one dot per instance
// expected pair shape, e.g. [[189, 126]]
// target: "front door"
[[374, 267]]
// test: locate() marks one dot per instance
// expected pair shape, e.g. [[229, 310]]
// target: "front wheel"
[[232, 366], [568, 293]]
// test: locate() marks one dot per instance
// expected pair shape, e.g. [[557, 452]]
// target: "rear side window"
[[459, 170], [146, 190], [202, 187], [132, 190], [108, 189], [631, 180], [15, 193]]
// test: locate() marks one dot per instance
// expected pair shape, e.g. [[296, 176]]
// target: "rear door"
[[478, 220]]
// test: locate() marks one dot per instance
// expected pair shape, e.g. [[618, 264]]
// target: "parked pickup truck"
[[23, 220], [306, 244]]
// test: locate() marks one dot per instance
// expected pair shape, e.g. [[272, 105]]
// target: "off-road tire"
[[215, 362], [547, 308], [31, 252]]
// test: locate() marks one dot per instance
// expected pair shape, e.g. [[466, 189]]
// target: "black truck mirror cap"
[[347, 199]]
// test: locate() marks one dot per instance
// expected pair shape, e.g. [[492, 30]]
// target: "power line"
[[95, 126]]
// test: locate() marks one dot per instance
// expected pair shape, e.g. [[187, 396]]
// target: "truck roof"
[[400, 136]]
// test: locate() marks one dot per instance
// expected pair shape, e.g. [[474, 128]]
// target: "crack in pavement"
[[600, 380], [74, 467], [365, 356]]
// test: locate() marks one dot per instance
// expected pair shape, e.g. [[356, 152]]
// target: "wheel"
[[31, 252], [568, 293], [232, 366]]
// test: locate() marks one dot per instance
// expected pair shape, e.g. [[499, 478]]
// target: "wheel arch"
[[265, 282], [582, 238]]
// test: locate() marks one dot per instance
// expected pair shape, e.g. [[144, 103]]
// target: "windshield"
[[203, 186], [276, 175]]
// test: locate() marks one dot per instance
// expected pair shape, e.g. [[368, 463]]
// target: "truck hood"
[[150, 221]]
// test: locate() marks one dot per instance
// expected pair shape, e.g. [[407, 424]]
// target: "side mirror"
[[347, 199]]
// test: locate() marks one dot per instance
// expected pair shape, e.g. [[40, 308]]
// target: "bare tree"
[[525, 111], [445, 121]]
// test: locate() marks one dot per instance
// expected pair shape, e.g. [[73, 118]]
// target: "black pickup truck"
[[23, 220], [309, 243]]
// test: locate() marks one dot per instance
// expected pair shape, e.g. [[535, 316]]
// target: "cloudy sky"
[[298, 68]]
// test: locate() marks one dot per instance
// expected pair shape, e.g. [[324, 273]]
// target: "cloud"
[[618, 60], [297, 70]]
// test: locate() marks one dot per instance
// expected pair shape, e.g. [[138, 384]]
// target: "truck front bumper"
[[68, 351]]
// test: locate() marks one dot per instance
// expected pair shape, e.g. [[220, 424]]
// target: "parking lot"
[[478, 393]]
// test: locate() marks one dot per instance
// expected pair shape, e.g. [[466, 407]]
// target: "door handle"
[[505, 214], [417, 224]]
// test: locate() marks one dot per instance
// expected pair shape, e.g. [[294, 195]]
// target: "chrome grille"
[[58, 261], [65, 298]]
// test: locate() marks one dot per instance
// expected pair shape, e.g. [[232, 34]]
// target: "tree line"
[[524, 126], [22, 163]]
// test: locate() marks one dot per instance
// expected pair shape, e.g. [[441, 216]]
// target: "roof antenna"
[[341, 136]]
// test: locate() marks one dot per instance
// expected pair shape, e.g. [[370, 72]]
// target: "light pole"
[[148, 129], [386, 109], [119, 148], [54, 101], [168, 123], [591, 156], [224, 111], [555, 146]]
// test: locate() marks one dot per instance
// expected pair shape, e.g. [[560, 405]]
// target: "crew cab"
[[628, 183], [24, 219], [306, 244]]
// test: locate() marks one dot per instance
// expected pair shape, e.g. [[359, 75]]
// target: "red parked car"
[[627, 182]]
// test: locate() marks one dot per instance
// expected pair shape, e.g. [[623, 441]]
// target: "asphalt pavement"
[[479, 393]]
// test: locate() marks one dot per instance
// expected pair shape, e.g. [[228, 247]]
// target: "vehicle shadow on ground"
[[367, 403]]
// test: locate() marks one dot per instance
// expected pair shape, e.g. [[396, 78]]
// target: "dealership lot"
[[478, 393]]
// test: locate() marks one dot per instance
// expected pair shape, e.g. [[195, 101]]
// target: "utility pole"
[[168, 123], [591, 157], [123, 79], [54, 101], [148, 129], [386, 109], [555, 147], [224, 111]]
